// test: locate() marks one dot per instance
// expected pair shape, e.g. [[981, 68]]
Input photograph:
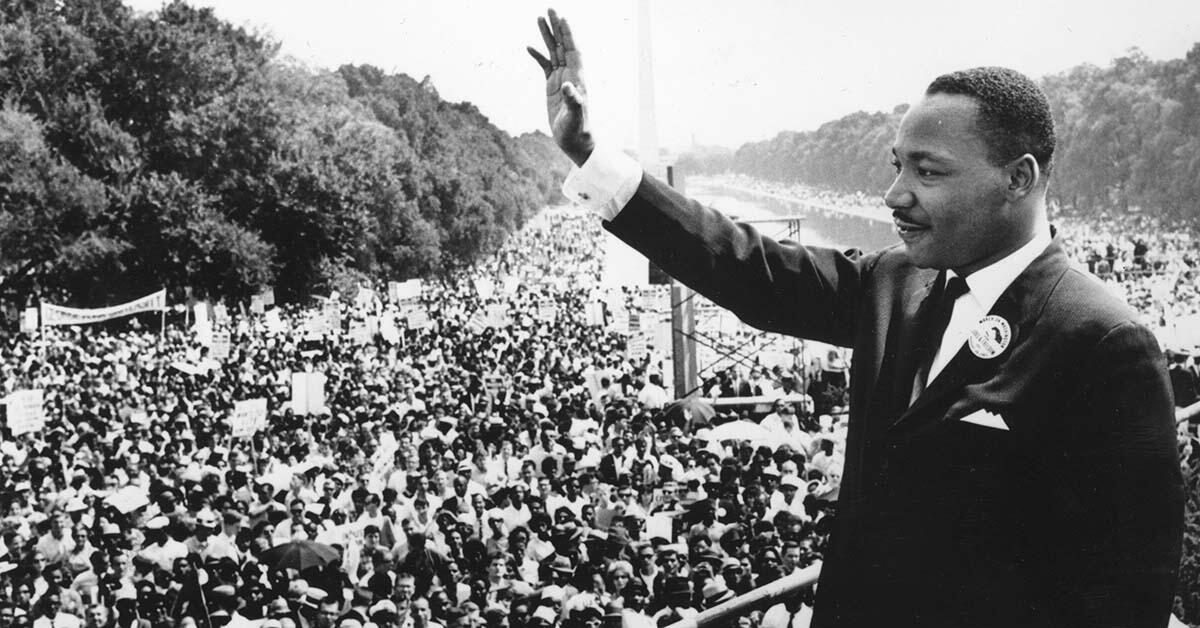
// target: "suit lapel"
[[896, 324], [910, 338], [1020, 305]]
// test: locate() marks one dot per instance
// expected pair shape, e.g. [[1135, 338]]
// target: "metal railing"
[[763, 597]]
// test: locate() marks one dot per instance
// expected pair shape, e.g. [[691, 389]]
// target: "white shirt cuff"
[[605, 182]]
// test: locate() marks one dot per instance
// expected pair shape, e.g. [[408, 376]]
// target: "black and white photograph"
[[652, 313]]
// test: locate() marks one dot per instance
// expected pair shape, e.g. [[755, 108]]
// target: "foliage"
[[1128, 139], [174, 149]]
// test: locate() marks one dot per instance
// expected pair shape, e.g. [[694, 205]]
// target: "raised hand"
[[566, 103]]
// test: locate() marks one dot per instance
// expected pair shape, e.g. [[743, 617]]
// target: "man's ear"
[[1024, 175]]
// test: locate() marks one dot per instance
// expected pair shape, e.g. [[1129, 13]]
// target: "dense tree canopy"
[[174, 149], [1128, 139]]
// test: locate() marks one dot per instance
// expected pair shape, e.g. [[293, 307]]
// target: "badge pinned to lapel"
[[990, 337]]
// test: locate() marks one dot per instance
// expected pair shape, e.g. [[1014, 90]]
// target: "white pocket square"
[[986, 419]]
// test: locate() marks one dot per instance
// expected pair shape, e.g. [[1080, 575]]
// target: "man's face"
[[405, 587], [53, 604], [948, 200], [327, 613], [791, 558]]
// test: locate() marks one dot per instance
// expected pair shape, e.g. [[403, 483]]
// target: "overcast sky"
[[727, 71]]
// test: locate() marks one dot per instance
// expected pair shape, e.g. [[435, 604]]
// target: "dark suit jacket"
[[1071, 517]]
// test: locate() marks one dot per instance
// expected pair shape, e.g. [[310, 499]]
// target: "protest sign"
[[333, 317], [29, 320], [485, 287], [25, 412], [405, 290], [497, 315], [308, 393], [418, 319], [256, 304], [204, 332], [478, 322], [595, 314], [493, 383], [200, 313], [510, 285], [359, 334], [659, 525], [546, 311], [619, 322], [365, 299], [222, 344], [275, 325], [636, 348], [388, 329], [248, 417]]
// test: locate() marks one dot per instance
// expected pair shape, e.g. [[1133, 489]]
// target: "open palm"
[[566, 107]]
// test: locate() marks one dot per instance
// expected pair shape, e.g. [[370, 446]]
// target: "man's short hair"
[[1014, 114]]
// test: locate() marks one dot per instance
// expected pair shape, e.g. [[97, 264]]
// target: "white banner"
[[248, 417], [25, 412], [59, 315]]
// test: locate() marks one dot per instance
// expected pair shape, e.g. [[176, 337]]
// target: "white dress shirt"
[[986, 284]]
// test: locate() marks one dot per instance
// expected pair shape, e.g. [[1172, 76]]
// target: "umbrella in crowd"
[[741, 430], [690, 411], [299, 555]]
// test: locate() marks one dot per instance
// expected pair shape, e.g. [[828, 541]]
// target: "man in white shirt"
[[653, 396], [52, 614], [991, 378], [56, 544]]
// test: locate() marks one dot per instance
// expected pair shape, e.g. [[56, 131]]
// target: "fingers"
[[555, 25], [565, 38], [548, 38], [542, 61]]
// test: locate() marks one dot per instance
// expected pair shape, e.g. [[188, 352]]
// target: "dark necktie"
[[932, 330]]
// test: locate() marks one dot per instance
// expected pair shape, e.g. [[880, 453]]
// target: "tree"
[[50, 213]]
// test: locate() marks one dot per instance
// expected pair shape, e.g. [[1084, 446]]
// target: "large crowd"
[[491, 450]]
